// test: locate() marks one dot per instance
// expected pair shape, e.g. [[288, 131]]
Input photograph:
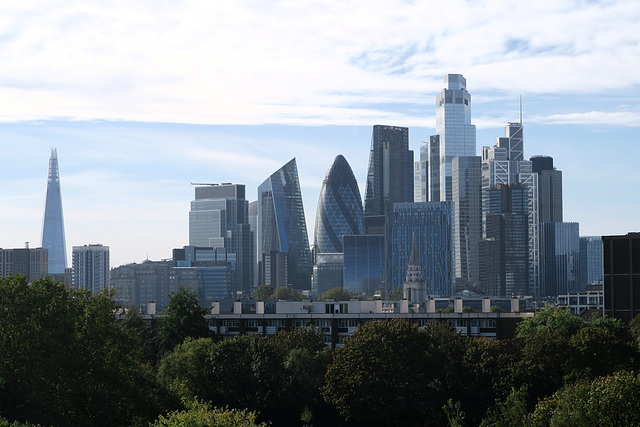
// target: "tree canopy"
[[336, 294], [184, 318]]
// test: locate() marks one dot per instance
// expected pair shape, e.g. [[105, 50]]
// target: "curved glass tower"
[[53, 227], [283, 243], [339, 210]]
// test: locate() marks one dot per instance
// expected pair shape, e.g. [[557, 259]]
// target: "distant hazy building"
[[339, 213], [365, 268], [31, 263], [390, 174], [434, 168], [432, 225], [457, 136], [137, 285], [467, 202], [590, 261], [421, 175], [282, 227], [53, 226], [91, 267], [219, 218], [622, 276], [560, 258]]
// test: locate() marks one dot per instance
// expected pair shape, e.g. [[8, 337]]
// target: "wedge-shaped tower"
[[282, 230], [53, 227]]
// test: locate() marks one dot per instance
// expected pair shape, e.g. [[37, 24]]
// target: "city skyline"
[[76, 81]]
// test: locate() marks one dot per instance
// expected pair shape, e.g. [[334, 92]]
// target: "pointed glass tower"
[[53, 226]]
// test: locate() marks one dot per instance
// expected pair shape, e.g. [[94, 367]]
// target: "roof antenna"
[[521, 109]]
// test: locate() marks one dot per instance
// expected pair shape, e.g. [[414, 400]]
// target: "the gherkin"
[[53, 227], [339, 210]]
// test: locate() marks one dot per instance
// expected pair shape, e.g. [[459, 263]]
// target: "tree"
[[202, 414], [392, 373], [336, 294], [396, 294], [184, 317], [263, 292], [286, 293], [66, 360]]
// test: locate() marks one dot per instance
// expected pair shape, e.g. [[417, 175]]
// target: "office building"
[[560, 257], [365, 269], [432, 225], [549, 189], [590, 261], [390, 174], [503, 250], [282, 227], [339, 213], [467, 203], [457, 136], [53, 226], [219, 218], [91, 267], [31, 263], [434, 168], [421, 175], [622, 276]]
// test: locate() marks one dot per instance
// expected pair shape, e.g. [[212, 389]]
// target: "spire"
[[413, 258], [53, 226], [414, 269]]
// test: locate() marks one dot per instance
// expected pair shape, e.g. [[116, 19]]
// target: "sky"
[[143, 98]]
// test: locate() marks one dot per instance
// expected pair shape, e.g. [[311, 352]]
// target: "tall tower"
[[282, 229], [53, 226], [390, 174], [457, 136], [91, 267]]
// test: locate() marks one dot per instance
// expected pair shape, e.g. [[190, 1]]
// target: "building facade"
[[365, 268], [91, 267], [282, 227], [591, 261], [622, 276], [560, 258], [53, 226], [31, 263]]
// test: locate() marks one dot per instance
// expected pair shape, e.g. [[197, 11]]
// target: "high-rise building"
[[390, 174], [365, 269], [503, 251], [622, 276], [560, 255], [457, 136], [91, 267], [549, 189], [282, 226], [31, 263], [53, 226], [434, 168], [421, 175], [590, 261], [339, 213], [432, 225], [219, 218], [467, 202]]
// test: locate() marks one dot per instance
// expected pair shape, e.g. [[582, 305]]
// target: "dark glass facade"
[[622, 276], [432, 225], [339, 208], [560, 258], [390, 174], [364, 264], [590, 261], [53, 228], [282, 226]]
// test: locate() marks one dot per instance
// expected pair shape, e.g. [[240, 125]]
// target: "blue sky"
[[141, 99]]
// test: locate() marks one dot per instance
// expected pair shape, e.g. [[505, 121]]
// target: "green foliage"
[[396, 294], [496, 309], [392, 373], [467, 310], [606, 401], [455, 416], [287, 294], [445, 310], [511, 412], [66, 360], [263, 292], [202, 414], [551, 318], [184, 318], [337, 294]]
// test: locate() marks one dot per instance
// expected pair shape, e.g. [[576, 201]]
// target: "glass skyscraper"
[[390, 174], [457, 136], [282, 227], [561, 258], [53, 228], [590, 260], [364, 264]]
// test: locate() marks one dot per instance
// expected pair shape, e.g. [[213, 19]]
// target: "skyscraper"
[[590, 261], [53, 226], [457, 136], [282, 227], [560, 258], [219, 218], [339, 213], [549, 189], [390, 174], [421, 175], [91, 267]]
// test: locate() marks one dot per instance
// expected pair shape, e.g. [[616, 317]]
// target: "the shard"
[[53, 226]]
